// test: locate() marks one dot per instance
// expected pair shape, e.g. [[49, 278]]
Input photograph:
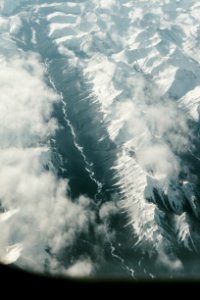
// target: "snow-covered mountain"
[[99, 136]]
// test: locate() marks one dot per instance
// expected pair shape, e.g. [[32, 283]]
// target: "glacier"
[[99, 137]]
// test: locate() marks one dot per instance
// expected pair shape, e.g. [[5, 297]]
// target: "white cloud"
[[8, 6], [150, 131], [43, 216], [159, 160], [168, 260], [26, 102], [107, 210], [81, 268], [38, 212], [106, 4]]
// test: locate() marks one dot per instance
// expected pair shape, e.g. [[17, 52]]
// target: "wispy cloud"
[[37, 213], [137, 64], [8, 6], [81, 268]]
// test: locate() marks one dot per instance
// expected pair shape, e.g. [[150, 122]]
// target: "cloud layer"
[[142, 72], [36, 212]]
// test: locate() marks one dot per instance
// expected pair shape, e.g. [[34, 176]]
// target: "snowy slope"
[[139, 61], [138, 116]]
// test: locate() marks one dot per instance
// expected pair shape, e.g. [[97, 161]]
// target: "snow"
[[141, 61], [8, 6], [12, 254], [191, 102], [154, 50]]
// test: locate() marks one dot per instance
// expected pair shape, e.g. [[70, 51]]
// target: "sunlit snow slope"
[[99, 137]]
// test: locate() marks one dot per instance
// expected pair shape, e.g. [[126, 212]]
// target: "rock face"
[[100, 120]]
